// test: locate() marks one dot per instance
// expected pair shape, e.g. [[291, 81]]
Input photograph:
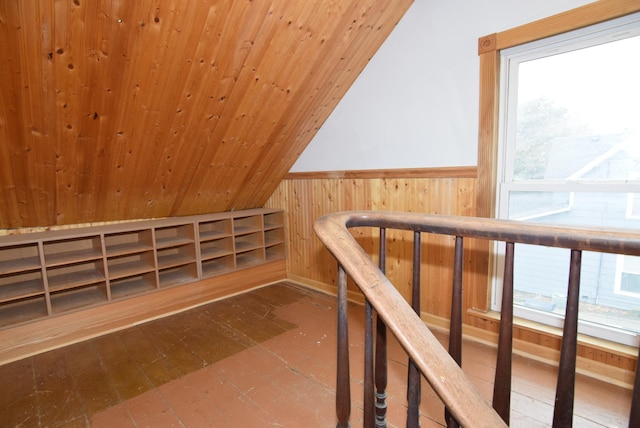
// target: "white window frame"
[[618, 281], [631, 201], [626, 26]]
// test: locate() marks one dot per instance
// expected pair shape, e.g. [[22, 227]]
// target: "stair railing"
[[427, 357]]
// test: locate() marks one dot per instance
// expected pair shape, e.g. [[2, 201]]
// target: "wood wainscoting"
[[450, 191]]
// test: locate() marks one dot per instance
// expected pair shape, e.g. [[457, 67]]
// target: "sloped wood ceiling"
[[122, 109]]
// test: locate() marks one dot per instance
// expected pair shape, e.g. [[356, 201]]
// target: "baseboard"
[[53, 332], [352, 296]]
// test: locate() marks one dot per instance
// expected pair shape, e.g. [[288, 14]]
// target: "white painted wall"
[[416, 103]]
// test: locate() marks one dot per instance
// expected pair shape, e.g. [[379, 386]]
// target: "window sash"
[[510, 59]]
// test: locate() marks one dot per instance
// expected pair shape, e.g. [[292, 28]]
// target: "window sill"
[[598, 358]]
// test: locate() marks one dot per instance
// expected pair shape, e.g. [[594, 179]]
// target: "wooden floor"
[[262, 359]]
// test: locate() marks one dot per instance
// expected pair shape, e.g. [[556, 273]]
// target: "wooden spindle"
[[502, 384], [563, 411], [413, 382], [381, 348], [368, 397], [455, 329], [343, 389]]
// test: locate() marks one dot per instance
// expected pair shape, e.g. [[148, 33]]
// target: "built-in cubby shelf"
[[274, 236], [48, 273]]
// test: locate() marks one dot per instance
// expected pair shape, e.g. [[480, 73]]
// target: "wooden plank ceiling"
[[120, 109]]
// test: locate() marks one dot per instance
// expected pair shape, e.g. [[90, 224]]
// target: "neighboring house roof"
[[590, 157]]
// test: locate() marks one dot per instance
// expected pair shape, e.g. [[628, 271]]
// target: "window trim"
[[618, 279], [489, 48]]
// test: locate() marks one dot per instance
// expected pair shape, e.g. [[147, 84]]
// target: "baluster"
[[343, 390], [502, 384], [455, 330], [413, 382], [368, 398], [563, 411], [381, 348]]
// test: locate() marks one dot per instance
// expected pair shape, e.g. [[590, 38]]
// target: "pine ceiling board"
[[165, 152], [10, 97], [371, 23], [81, 153], [303, 109], [153, 108], [244, 48], [120, 49], [26, 148], [87, 75], [245, 137], [204, 96], [304, 59], [68, 69], [153, 119]]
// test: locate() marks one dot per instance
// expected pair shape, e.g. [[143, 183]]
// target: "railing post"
[[413, 382], [563, 411], [381, 347], [502, 383], [343, 389], [455, 329]]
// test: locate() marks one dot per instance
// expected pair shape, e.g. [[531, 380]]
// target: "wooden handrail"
[[458, 394]]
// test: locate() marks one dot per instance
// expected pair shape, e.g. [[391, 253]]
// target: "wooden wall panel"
[[305, 199], [119, 110]]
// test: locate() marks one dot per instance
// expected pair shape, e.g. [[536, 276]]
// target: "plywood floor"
[[262, 359]]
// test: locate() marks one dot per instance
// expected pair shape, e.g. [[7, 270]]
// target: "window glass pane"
[[577, 114], [570, 140], [630, 282], [609, 288]]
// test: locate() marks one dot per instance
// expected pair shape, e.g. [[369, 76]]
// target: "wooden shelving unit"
[[50, 273]]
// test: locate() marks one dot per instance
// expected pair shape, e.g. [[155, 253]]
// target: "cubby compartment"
[[175, 256], [249, 258], [274, 220], [23, 310], [66, 277], [21, 285], [215, 229], [136, 241], [216, 248], [178, 274], [275, 252], [18, 258], [274, 244], [132, 285], [130, 264], [170, 236], [80, 297], [67, 251], [218, 265], [177, 265], [273, 237], [248, 224], [250, 241]]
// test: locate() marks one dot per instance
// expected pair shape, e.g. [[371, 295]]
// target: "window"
[[569, 153], [628, 276]]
